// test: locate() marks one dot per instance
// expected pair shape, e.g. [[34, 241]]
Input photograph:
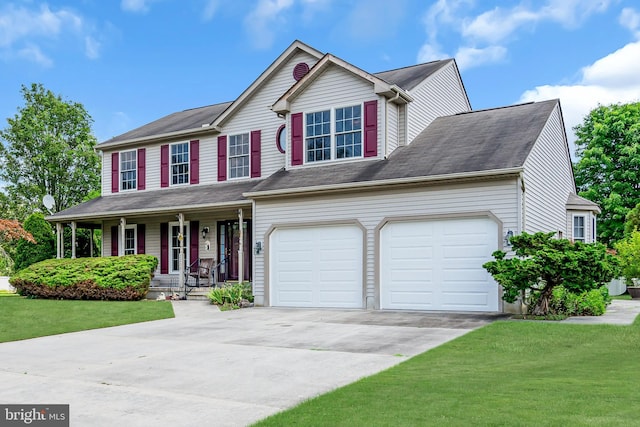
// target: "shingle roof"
[[477, 141], [409, 77], [186, 198], [580, 203], [182, 120]]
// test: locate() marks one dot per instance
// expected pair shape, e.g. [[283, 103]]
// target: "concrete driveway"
[[207, 367]]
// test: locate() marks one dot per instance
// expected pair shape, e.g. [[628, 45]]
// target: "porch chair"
[[202, 270]]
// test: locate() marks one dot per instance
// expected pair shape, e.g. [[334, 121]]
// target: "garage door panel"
[[441, 259], [331, 259]]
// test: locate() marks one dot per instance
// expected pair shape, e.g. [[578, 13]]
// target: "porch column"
[[123, 226], [91, 242], [181, 252], [73, 239], [241, 247], [59, 252]]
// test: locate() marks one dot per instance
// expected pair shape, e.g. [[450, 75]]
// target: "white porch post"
[[91, 242], [59, 251], [123, 226], [181, 252], [241, 247], [73, 239]]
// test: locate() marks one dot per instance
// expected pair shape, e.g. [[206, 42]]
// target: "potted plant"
[[629, 256]]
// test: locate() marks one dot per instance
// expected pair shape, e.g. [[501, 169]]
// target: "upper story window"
[[128, 170], [180, 163], [337, 137], [239, 155], [578, 228]]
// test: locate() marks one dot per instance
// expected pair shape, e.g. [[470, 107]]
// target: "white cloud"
[[33, 53], [630, 19], [135, 6], [491, 30], [23, 28], [612, 79], [210, 9], [429, 52], [261, 21], [468, 57]]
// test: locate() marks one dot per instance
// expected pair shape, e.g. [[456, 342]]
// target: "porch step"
[[198, 294]]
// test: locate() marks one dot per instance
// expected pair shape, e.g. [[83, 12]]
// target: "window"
[[128, 170], [180, 163], [343, 143], [318, 138], [174, 242], [578, 228], [348, 132], [281, 139], [130, 239], [239, 155]]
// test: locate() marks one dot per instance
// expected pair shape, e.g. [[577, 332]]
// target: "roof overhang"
[[187, 133], [378, 184], [380, 87]]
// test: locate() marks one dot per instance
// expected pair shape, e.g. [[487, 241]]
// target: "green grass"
[[623, 297], [509, 373], [22, 318]]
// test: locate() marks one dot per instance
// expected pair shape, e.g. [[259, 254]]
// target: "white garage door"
[[316, 267], [437, 265]]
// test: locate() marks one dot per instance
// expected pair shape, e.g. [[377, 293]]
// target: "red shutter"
[[164, 166], [141, 238], [297, 143], [194, 166], [114, 240], [371, 128], [194, 243], [164, 248], [222, 158], [115, 179], [142, 168], [255, 154]]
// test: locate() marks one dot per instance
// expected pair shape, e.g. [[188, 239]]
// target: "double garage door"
[[424, 265]]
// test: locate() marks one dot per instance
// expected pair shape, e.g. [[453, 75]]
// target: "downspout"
[[241, 246]]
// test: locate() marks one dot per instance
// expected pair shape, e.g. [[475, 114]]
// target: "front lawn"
[[509, 373], [22, 318]]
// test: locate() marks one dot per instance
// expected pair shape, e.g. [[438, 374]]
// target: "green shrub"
[[230, 296], [107, 278], [587, 303], [629, 255]]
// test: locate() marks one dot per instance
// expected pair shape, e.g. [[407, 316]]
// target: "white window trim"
[[186, 245], [584, 228], [171, 163], [229, 156], [332, 134], [135, 239], [120, 170]]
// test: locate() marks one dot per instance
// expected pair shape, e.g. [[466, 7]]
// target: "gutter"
[[144, 211], [158, 138], [474, 175]]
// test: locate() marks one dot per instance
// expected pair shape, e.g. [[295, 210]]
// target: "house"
[[329, 186]]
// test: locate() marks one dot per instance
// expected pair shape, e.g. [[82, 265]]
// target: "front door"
[[228, 246]]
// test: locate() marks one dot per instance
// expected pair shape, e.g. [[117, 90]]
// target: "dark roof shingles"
[[409, 77]]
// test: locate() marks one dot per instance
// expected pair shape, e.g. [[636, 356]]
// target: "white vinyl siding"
[[392, 127], [335, 88], [370, 209], [441, 94], [256, 115], [548, 180]]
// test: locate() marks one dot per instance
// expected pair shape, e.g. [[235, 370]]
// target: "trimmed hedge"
[[124, 278]]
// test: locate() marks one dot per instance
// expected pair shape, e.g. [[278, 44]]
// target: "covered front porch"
[[197, 244]]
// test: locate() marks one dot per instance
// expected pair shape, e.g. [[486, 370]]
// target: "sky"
[[130, 62]]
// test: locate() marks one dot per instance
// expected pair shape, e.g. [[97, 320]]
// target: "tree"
[[28, 252], [543, 262], [10, 230], [608, 171], [632, 221], [48, 149]]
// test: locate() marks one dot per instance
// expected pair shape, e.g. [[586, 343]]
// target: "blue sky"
[[133, 61]]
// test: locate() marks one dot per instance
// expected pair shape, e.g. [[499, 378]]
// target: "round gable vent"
[[300, 70]]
